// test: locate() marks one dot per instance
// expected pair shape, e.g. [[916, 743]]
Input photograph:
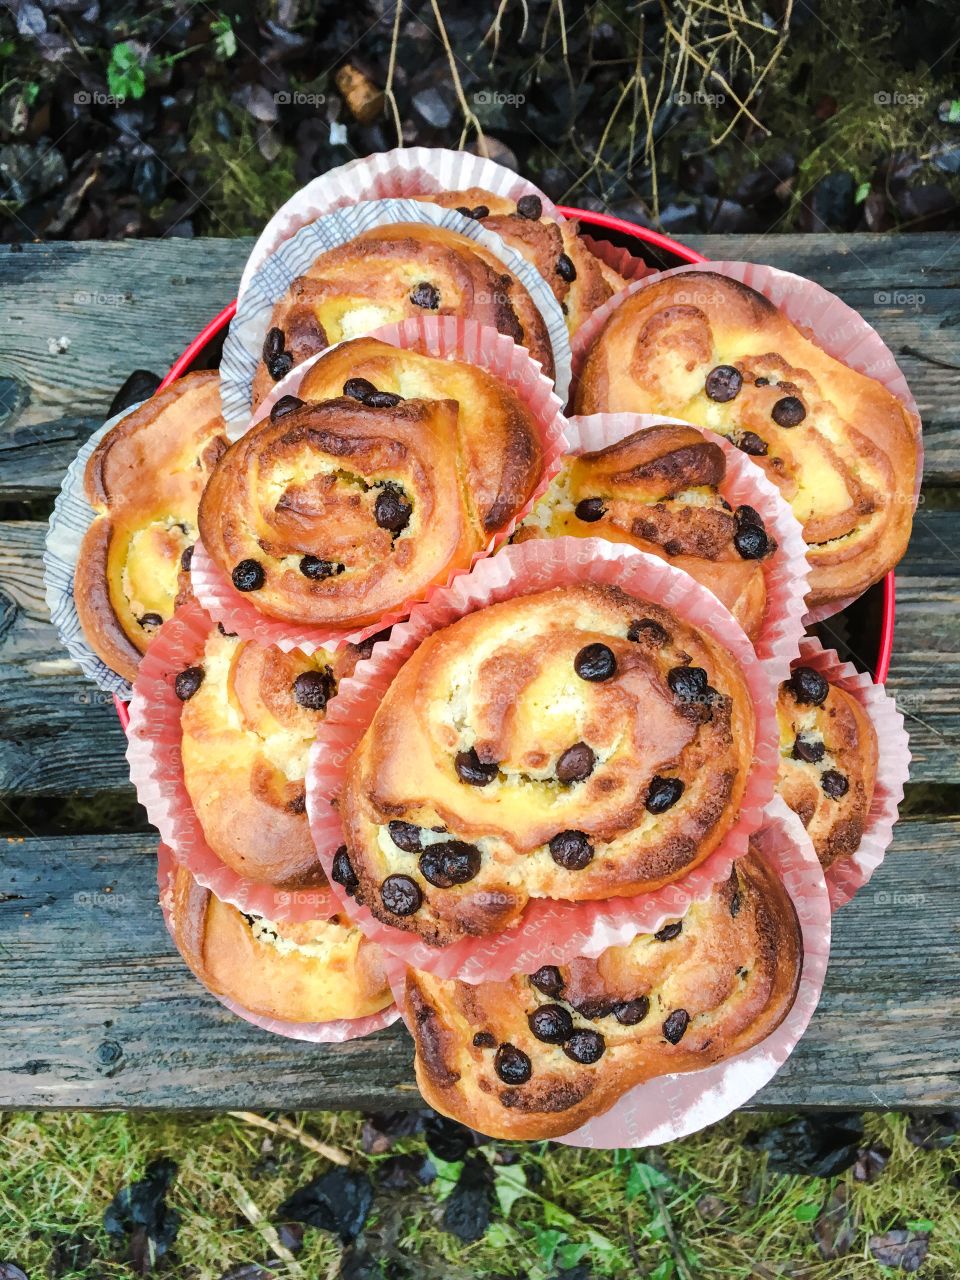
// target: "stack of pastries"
[[570, 745]]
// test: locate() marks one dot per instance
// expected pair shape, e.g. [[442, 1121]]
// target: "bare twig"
[[391, 68], [286, 1130]]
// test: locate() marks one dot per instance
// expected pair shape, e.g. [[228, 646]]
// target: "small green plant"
[[125, 75], [224, 36]]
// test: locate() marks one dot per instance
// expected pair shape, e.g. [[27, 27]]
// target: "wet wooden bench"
[[96, 1007]]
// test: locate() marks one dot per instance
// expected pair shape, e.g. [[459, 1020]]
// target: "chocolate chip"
[[248, 575], [595, 662], [834, 784], [590, 510], [406, 836], [751, 542], [272, 344], [663, 794], [400, 895], [669, 931], [576, 763], [317, 569], [761, 382], [723, 383], [512, 1065], [749, 442], [314, 689], [484, 1040], [788, 412], [688, 684], [462, 208], [585, 1047], [675, 1025], [151, 620], [382, 400], [530, 207], [358, 388], [551, 1023], [479, 211], [548, 980], [808, 686], [280, 365], [594, 1009], [571, 850], [186, 558], [809, 750], [472, 770], [188, 682], [298, 804], [565, 269], [342, 871], [647, 629], [630, 1012], [426, 296], [285, 405], [450, 862], [736, 902], [391, 510], [745, 515]]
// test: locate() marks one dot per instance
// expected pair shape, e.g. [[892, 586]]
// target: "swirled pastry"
[[657, 490], [539, 1055], [144, 481], [576, 743], [828, 761], [249, 716], [841, 447], [314, 971], [340, 509], [580, 281], [387, 274]]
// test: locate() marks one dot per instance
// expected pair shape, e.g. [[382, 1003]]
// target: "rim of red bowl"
[[607, 222]]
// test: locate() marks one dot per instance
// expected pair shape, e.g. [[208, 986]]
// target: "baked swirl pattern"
[[392, 470], [315, 971], [839, 445], [539, 1055], [828, 761], [144, 481], [657, 490], [386, 275], [575, 744]]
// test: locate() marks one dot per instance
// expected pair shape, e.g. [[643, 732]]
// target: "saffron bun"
[[840, 446], [657, 490], [342, 509], [828, 761], [539, 1055], [144, 481], [386, 275], [575, 743], [314, 971]]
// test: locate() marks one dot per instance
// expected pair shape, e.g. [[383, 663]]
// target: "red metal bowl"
[[868, 623]]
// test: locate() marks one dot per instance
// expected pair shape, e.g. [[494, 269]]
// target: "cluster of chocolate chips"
[[724, 382], [809, 688], [278, 362], [750, 536], [443, 864], [362, 389]]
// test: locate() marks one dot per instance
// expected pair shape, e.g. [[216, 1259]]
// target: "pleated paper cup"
[[846, 875], [242, 351], [550, 931], [401, 173], [334, 1032], [786, 572], [156, 771], [819, 315], [625, 263], [445, 338]]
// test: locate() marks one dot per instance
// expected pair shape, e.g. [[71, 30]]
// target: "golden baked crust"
[[580, 284], [315, 971], [847, 465], [828, 761], [247, 730], [372, 280], [532, 749], [657, 490], [702, 989], [144, 481], [398, 495]]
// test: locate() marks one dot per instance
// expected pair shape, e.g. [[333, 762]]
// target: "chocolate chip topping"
[[484, 1040], [571, 850], [808, 686], [788, 412], [576, 763], [669, 931], [736, 902], [382, 400], [342, 871], [749, 442], [565, 269], [688, 684], [186, 558], [151, 620], [188, 682], [391, 509], [675, 1025], [585, 1047], [745, 515], [590, 510], [594, 1009], [406, 836], [358, 388], [751, 542], [425, 295], [280, 365], [647, 629], [551, 1023], [316, 569], [834, 784], [272, 344], [663, 794], [630, 1012], [472, 770], [596, 663], [479, 211], [548, 980], [248, 575], [400, 895], [808, 749], [512, 1065], [530, 207], [285, 405], [450, 862], [723, 383], [314, 689]]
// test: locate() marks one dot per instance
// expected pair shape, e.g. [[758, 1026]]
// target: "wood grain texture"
[[98, 1009], [123, 305]]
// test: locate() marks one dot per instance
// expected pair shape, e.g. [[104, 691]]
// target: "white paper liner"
[[72, 517], [550, 931], [335, 1032], [443, 337], [820, 316], [405, 171], [846, 875], [786, 572], [242, 351]]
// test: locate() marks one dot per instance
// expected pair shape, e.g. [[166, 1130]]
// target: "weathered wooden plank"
[[99, 1011], [59, 734], [133, 304]]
